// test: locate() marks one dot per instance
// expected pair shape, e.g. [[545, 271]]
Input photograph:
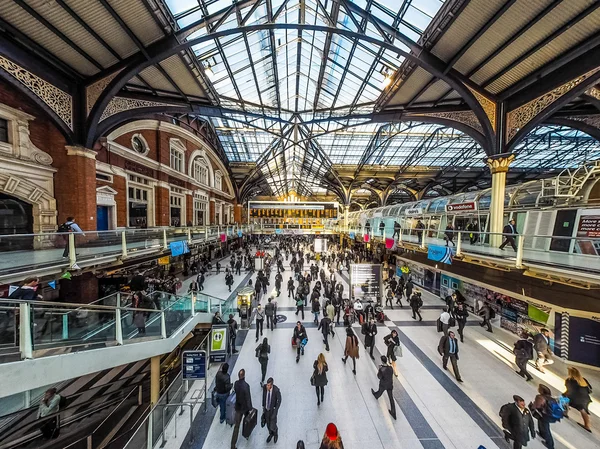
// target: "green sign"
[[218, 340]]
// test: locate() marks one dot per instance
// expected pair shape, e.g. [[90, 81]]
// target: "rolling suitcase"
[[249, 423], [230, 409]]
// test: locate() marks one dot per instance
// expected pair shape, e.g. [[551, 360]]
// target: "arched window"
[[218, 180], [200, 170]]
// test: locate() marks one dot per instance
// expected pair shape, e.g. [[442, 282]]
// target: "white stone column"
[[499, 167]]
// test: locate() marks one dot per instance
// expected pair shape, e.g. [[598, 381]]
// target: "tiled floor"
[[434, 411]]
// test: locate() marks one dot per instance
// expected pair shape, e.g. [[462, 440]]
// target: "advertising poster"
[[218, 343], [320, 245], [178, 248], [366, 281], [441, 254], [588, 233], [584, 340]]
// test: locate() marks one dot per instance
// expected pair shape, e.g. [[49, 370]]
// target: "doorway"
[[16, 217], [103, 218]]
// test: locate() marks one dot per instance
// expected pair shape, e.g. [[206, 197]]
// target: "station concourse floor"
[[433, 410]]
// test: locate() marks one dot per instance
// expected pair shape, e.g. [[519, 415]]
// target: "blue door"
[[102, 217]]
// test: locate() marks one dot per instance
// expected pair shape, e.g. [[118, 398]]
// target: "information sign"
[[461, 207], [366, 281], [320, 245], [413, 211], [193, 365]]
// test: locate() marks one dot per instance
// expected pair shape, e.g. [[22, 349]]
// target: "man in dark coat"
[[541, 344], [386, 384], [509, 231], [325, 328], [369, 330], [523, 353], [271, 401], [243, 404], [517, 422]]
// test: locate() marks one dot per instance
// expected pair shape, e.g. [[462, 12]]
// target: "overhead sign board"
[[193, 365], [218, 343], [461, 207], [413, 211]]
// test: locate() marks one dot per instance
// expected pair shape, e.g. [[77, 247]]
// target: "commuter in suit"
[[509, 231], [243, 404], [325, 328], [541, 344], [271, 401], [461, 314], [386, 384], [448, 349], [517, 422]]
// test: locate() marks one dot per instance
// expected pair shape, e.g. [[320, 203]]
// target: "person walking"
[[278, 281], [448, 349], [330, 312], [369, 330], [315, 306], [487, 313], [392, 342], [332, 438], [517, 422], [229, 279], [262, 354], [416, 302], [389, 298], [49, 405], [290, 287], [523, 351], [460, 315], [509, 232], [541, 344], [243, 404], [325, 328], [300, 306], [222, 389], [420, 227], [260, 319], [319, 377], [541, 409], [270, 313], [67, 227], [449, 234], [351, 349], [396, 230], [408, 289], [299, 338], [578, 392], [386, 384], [445, 320], [271, 401]]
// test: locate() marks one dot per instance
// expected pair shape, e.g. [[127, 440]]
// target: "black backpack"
[[65, 227]]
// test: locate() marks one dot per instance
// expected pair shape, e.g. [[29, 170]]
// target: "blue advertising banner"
[[240, 233], [179, 247], [352, 235], [193, 365], [278, 231], [440, 254]]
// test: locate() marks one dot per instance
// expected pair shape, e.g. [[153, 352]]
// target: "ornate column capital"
[[81, 151], [500, 163]]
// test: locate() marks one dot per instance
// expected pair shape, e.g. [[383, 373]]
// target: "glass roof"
[[299, 101]]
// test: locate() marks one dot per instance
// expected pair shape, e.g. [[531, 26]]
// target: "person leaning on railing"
[[50, 405]]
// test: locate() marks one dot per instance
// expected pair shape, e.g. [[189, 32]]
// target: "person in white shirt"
[[69, 226], [445, 320]]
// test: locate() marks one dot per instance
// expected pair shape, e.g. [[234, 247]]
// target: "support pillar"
[[346, 211], [76, 194], [499, 167], [154, 379]]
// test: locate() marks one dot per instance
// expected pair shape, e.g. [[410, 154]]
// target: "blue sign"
[[278, 231], [352, 235], [240, 233], [193, 365], [440, 254], [179, 247]]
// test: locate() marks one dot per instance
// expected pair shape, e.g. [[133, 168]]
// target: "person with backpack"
[[262, 354], [416, 302], [300, 338], [69, 226], [523, 351], [232, 333], [517, 422], [546, 410], [541, 344]]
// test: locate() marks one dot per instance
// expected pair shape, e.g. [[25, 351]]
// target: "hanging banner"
[[164, 260], [223, 238], [390, 243], [352, 235], [240, 233], [178, 248], [440, 254], [366, 238]]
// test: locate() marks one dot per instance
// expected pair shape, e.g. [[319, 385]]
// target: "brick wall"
[[189, 208], [211, 212], [162, 207]]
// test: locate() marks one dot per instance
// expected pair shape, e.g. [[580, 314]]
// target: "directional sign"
[[193, 365], [218, 343]]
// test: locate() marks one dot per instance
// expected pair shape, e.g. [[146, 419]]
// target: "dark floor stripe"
[[483, 421], [415, 418]]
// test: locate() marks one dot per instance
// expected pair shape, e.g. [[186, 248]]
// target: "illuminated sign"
[[461, 207]]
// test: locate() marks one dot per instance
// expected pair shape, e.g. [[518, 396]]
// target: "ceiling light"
[[387, 81]]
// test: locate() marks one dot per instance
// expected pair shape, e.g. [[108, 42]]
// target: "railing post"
[[459, 245], [163, 325], [72, 253], [118, 325], [208, 304], [519, 261], [25, 337], [65, 326], [123, 245], [189, 235], [165, 243], [149, 439], [90, 444], [206, 233], [423, 237]]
